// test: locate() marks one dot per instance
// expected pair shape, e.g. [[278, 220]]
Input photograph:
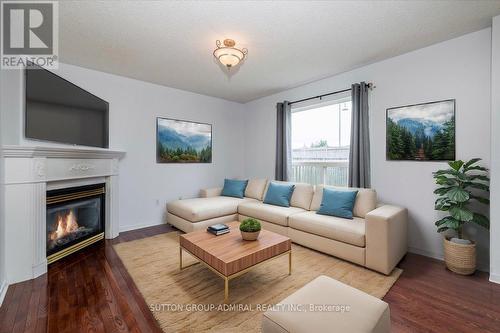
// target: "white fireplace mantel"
[[57, 152], [29, 172]]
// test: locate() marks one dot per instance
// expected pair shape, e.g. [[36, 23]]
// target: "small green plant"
[[250, 225], [462, 183]]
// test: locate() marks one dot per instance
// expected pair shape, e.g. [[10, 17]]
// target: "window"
[[320, 138]]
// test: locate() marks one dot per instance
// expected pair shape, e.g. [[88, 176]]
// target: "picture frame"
[[183, 141], [421, 132]]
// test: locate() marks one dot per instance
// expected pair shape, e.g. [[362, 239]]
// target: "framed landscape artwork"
[[421, 132], [179, 141]]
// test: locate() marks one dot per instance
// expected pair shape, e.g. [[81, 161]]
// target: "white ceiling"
[[289, 42]]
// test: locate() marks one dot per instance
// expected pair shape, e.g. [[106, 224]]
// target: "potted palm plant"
[[460, 185]]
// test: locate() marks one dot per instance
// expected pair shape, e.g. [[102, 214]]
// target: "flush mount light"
[[228, 55]]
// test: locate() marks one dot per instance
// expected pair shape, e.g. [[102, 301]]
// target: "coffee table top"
[[229, 253]]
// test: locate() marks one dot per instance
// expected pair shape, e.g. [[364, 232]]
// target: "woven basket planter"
[[250, 236], [460, 258]]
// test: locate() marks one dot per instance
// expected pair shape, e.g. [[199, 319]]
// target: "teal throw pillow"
[[234, 188], [337, 203], [279, 194]]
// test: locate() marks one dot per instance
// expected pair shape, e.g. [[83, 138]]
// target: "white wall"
[[458, 68], [146, 186], [495, 153], [3, 286]]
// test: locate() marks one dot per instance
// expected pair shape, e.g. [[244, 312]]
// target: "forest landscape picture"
[[179, 141], [422, 132]]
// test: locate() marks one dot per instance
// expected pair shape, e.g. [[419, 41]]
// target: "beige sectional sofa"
[[375, 238], [211, 208]]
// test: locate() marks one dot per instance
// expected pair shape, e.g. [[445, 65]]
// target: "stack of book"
[[218, 229]]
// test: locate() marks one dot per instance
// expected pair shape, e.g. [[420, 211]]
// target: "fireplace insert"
[[75, 219]]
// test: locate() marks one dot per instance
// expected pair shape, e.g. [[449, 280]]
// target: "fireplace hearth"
[[75, 219]]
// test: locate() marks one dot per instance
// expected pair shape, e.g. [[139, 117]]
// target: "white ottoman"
[[362, 313]]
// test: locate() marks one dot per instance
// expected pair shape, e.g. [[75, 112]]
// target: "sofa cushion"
[[234, 188], [366, 199], [302, 194], [365, 313], [255, 188], [336, 228], [210, 192], [279, 194], [269, 213], [199, 209]]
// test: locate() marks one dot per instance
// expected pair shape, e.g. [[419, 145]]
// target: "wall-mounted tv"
[[56, 110]]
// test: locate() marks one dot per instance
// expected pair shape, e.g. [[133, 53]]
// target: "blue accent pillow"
[[279, 194], [337, 203], [234, 188]]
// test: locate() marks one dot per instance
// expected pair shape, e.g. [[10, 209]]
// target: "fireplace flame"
[[65, 224]]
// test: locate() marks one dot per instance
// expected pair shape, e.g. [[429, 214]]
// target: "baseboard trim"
[[3, 290], [426, 253], [139, 226], [495, 278], [481, 265], [40, 269]]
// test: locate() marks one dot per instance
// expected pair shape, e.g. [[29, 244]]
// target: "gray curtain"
[[283, 141], [359, 156]]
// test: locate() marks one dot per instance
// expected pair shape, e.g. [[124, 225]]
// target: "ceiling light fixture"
[[228, 55]]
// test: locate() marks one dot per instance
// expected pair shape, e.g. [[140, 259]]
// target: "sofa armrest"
[[386, 237], [210, 192]]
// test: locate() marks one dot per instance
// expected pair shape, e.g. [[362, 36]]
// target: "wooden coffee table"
[[230, 256]]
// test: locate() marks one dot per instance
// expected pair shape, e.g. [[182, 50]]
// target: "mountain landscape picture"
[[179, 141], [422, 132]]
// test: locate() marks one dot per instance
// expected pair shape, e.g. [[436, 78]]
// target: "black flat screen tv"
[[56, 110]]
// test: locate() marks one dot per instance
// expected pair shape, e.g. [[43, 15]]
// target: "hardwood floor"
[[91, 291], [429, 298]]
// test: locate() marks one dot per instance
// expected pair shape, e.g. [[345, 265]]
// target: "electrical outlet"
[[157, 202]]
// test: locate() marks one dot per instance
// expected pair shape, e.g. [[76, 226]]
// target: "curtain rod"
[[369, 85]]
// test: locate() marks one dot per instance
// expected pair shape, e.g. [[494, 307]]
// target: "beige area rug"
[[153, 264]]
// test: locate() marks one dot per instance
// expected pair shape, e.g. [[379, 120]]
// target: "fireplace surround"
[[30, 174]]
